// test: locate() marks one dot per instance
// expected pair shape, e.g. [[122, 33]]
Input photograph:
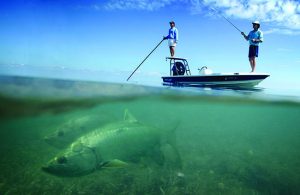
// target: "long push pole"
[[145, 59]]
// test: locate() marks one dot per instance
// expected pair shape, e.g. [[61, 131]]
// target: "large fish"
[[72, 129], [115, 144]]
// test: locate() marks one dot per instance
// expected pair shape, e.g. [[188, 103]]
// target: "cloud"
[[281, 14], [284, 31], [149, 5]]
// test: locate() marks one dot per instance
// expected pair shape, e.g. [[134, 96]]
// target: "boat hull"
[[228, 80]]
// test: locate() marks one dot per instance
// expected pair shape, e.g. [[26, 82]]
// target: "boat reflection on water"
[[217, 87]]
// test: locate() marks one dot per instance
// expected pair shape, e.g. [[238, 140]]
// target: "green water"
[[227, 145]]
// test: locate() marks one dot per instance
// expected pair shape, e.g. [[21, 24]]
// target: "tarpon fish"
[[113, 145], [66, 133]]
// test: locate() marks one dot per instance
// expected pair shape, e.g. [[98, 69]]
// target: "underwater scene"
[[78, 137]]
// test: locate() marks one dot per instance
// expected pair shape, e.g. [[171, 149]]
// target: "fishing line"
[[218, 13], [215, 11]]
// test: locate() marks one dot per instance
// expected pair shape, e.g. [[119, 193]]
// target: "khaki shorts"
[[172, 43]]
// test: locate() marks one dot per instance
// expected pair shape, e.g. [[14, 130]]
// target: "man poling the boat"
[[255, 37], [172, 37]]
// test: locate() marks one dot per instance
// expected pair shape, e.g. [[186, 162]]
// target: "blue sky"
[[111, 37]]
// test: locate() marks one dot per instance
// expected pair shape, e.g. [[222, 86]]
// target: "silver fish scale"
[[122, 141]]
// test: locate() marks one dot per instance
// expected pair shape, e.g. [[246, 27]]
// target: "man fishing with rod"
[[254, 37]]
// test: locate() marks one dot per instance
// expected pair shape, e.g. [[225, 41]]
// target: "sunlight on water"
[[216, 143]]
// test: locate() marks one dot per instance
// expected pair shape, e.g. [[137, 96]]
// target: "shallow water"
[[228, 144]]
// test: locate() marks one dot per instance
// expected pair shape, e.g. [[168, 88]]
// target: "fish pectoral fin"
[[129, 117], [115, 163]]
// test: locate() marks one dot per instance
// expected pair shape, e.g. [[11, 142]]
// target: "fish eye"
[[61, 160]]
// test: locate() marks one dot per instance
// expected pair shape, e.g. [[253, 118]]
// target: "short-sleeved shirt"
[[255, 35]]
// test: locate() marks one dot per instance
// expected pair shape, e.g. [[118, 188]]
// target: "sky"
[[107, 39]]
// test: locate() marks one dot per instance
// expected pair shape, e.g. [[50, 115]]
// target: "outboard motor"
[[205, 71], [178, 69]]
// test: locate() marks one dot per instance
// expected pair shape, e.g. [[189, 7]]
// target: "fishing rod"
[[145, 59], [215, 11]]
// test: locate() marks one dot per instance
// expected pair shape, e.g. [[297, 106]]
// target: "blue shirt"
[[173, 34], [255, 35]]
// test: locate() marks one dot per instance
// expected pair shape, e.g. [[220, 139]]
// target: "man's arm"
[[245, 36]]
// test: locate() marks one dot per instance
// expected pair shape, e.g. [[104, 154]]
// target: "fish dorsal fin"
[[129, 117]]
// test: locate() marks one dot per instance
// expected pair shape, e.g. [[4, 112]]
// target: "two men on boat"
[[172, 37], [254, 37]]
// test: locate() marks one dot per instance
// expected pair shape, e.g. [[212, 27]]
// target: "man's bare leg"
[[252, 63], [172, 51]]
